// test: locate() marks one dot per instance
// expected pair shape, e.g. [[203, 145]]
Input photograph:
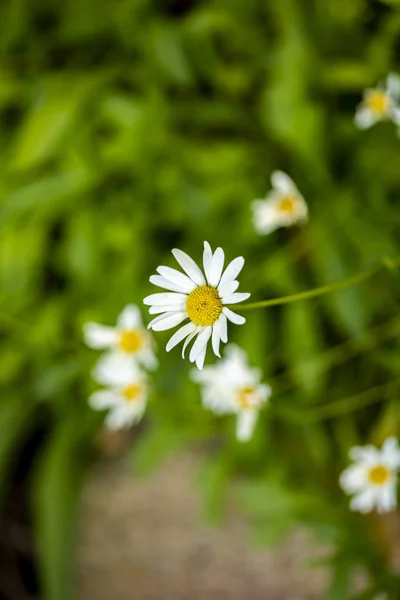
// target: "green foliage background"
[[130, 128]]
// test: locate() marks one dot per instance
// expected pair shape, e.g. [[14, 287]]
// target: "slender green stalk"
[[386, 263], [338, 354], [342, 407], [356, 402]]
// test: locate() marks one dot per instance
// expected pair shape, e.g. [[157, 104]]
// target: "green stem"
[[338, 354], [386, 263], [344, 406]]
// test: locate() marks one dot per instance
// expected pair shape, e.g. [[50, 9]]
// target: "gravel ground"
[[144, 539]]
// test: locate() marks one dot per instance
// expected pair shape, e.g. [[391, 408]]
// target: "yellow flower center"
[[130, 341], [287, 204], [131, 393], [246, 396], [379, 475], [204, 305], [379, 102]]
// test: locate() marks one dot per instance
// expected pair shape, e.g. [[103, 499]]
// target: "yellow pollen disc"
[[132, 392], [204, 305], [379, 102], [379, 475], [130, 341], [287, 204], [246, 396]]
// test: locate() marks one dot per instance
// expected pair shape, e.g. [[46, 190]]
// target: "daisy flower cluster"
[[200, 297], [121, 369], [197, 300], [380, 104], [372, 478], [232, 387], [283, 206]]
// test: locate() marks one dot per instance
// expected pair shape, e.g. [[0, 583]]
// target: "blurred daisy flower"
[[127, 338], [380, 103], [201, 298], [232, 387], [126, 394], [283, 206], [372, 479]]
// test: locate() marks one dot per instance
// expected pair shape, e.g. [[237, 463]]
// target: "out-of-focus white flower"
[[129, 338], [201, 298], [380, 103], [282, 207], [232, 387], [126, 397], [372, 478]]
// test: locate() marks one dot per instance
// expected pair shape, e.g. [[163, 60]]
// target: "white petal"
[[245, 424], [165, 298], [161, 282], [223, 328], [189, 339], [235, 298], [282, 182], [236, 357], [216, 267], [393, 86], [156, 310], [363, 502], [189, 266], [116, 369], [235, 318], [227, 288], [266, 218], [180, 335], [118, 418], [216, 338], [130, 317], [177, 278], [265, 392], [169, 321], [103, 399], [395, 115], [207, 258], [200, 343], [160, 318], [99, 336], [215, 398], [368, 454], [365, 118], [148, 359], [390, 453], [232, 271], [387, 500], [353, 478], [200, 358]]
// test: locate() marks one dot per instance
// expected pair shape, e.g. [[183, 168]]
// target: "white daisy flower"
[[282, 207], [201, 298], [125, 398], [380, 103], [372, 479], [232, 387], [129, 338]]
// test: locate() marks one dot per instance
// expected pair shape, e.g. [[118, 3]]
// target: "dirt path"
[[144, 539]]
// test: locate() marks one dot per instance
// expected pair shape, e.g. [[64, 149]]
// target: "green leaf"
[[287, 109], [56, 488], [50, 119], [15, 417], [303, 347], [169, 53]]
